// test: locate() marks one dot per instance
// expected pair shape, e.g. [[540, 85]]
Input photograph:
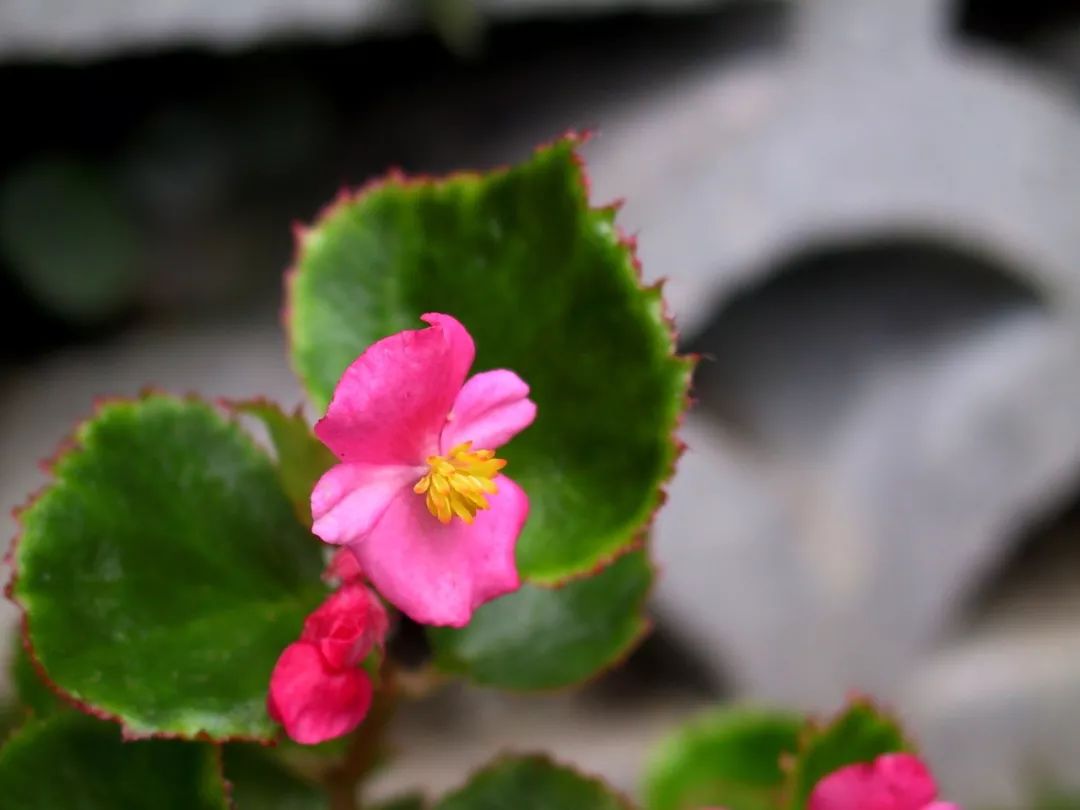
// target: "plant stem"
[[343, 780]]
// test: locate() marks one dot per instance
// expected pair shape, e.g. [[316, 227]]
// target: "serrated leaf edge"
[[67, 445], [816, 726], [645, 627], [574, 139]]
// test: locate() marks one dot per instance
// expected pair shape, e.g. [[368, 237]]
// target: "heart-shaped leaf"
[[75, 762], [163, 571], [540, 638], [727, 758], [549, 289], [532, 783], [861, 733]]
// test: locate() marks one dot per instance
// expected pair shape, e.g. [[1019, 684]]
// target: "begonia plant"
[[207, 619]]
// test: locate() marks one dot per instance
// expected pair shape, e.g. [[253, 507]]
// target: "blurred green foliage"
[[68, 238]]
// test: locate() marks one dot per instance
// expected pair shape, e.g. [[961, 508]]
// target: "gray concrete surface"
[[869, 447]]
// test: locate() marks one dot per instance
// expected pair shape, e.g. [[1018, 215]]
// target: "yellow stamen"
[[457, 482]]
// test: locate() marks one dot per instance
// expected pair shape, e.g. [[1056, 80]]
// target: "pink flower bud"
[[317, 689], [890, 782]]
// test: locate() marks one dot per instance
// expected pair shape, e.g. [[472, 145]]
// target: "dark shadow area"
[[197, 163], [1036, 582], [785, 358], [1045, 31], [658, 665], [662, 664]]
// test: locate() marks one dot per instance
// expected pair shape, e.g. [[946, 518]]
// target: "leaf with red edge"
[[163, 571], [548, 288], [860, 733], [73, 762], [726, 757], [31, 689], [543, 638], [301, 458]]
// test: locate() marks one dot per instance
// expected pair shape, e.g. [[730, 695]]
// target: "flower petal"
[[350, 498], [462, 350], [906, 775], [390, 405], [343, 568], [491, 408], [346, 626], [312, 702], [439, 574], [891, 782]]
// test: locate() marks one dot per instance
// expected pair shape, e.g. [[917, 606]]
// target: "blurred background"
[[869, 215]]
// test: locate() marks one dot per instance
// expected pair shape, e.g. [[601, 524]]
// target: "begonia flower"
[[890, 782], [318, 689], [418, 496], [343, 568]]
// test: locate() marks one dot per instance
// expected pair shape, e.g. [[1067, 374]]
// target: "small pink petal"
[[343, 568], [462, 348], [346, 626], [491, 408], [313, 703], [439, 574], [891, 782], [350, 498], [390, 404]]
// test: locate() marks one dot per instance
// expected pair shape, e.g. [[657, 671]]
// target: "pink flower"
[[343, 568], [317, 689], [418, 495], [890, 782]]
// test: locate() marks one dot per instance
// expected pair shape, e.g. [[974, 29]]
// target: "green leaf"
[[727, 758], [540, 638], [74, 762], [861, 733], [301, 458], [31, 690], [261, 782], [1048, 799], [532, 783], [548, 289], [163, 571]]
